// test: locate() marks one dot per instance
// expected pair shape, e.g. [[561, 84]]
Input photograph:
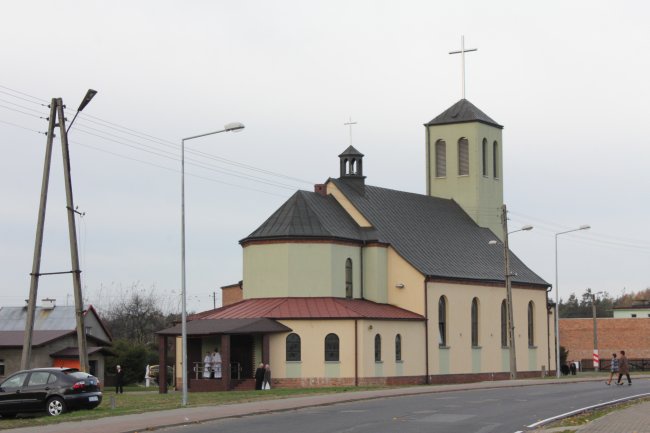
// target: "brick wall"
[[614, 335], [231, 294]]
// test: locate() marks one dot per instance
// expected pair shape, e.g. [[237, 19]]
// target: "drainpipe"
[[426, 332], [548, 335], [356, 355]]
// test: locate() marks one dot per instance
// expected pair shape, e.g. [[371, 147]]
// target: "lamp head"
[[527, 228], [233, 126], [90, 94], [585, 227]]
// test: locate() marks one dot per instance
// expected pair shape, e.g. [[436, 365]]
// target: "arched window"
[[475, 322], [377, 348], [293, 347], [442, 321], [441, 158], [531, 324], [504, 324], [495, 160], [463, 157], [485, 157], [332, 347], [398, 347], [348, 278]]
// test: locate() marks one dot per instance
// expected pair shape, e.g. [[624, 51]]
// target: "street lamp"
[[557, 301], [234, 127]]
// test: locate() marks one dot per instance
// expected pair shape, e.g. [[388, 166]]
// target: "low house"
[[54, 342]]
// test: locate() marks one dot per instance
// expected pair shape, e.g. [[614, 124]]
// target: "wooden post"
[[266, 348], [162, 364], [225, 361]]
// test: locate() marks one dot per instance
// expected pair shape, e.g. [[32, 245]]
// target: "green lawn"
[[139, 400]]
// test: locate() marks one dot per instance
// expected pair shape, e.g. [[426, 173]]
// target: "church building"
[[355, 284]]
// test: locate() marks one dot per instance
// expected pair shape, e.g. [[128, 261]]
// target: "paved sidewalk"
[[154, 420]]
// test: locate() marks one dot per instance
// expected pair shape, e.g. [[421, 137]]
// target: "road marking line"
[[584, 409]]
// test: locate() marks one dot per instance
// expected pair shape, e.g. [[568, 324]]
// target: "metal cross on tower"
[[350, 123], [462, 54]]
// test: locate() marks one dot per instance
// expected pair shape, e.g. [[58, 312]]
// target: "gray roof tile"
[[463, 111]]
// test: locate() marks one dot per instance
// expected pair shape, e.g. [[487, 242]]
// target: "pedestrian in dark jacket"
[[259, 376], [623, 369], [119, 381]]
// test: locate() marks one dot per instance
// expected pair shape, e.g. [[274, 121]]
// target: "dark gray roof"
[[351, 151], [308, 215], [463, 111], [228, 326], [435, 235]]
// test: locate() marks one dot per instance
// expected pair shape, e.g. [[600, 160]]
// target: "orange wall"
[[614, 335]]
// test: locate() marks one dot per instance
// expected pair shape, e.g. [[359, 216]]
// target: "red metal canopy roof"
[[308, 308]]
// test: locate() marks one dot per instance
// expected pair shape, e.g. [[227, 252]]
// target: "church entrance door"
[[241, 357]]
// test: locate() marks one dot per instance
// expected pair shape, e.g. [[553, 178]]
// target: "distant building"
[[639, 308], [54, 342], [357, 284]]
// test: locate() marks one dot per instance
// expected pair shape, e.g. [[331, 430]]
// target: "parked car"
[[53, 390]]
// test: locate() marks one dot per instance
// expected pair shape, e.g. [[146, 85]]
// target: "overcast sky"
[[567, 79]]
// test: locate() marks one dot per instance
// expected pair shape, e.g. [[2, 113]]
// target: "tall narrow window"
[[504, 324], [475, 322], [293, 347], [463, 157], [531, 324], [398, 348], [485, 157], [332, 347], [441, 158], [442, 321], [495, 160], [348, 278], [377, 348]]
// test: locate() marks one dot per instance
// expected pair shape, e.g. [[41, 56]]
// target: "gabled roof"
[[308, 215], [463, 111], [308, 308], [58, 318], [351, 151], [435, 235]]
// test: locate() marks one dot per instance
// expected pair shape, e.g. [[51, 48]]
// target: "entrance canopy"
[[227, 326]]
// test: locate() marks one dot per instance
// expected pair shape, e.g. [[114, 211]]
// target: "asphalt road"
[[504, 410]]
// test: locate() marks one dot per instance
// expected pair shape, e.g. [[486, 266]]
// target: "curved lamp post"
[[557, 302], [234, 127]]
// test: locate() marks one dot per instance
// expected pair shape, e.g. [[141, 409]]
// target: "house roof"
[[209, 326], [308, 308], [60, 317], [463, 111], [73, 352]]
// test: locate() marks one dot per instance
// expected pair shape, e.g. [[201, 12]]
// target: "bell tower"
[[351, 161], [464, 151]]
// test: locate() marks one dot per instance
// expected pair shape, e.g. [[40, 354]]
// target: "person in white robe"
[[216, 364], [207, 365]]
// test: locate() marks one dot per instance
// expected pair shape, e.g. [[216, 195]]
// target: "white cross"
[[462, 53], [350, 123]]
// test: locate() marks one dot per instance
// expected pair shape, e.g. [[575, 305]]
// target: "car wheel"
[[55, 406]]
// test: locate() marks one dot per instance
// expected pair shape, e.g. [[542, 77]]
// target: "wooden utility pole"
[[56, 112]]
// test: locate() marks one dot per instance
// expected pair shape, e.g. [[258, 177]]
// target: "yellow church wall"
[[375, 273], [312, 339], [347, 205], [413, 353], [411, 296], [459, 357], [299, 269], [480, 196]]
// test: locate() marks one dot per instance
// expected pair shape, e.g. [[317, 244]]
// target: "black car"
[[54, 390]]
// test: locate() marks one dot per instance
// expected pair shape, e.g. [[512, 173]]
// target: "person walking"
[[613, 369], [266, 384], [259, 376], [119, 381], [623, 369]]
